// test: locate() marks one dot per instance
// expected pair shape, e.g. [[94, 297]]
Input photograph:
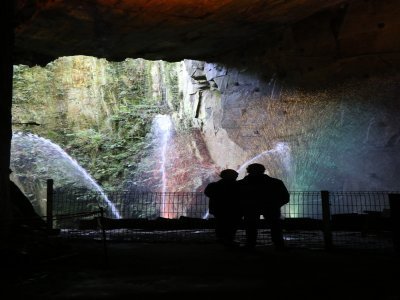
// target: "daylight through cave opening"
[[102, 113]]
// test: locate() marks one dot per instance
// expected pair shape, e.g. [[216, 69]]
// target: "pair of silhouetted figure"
[[257, 194]]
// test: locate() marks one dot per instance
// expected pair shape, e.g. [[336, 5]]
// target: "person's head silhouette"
[[229, 174], [254, 169]]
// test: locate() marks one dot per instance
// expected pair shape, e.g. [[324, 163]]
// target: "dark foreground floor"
[[79, 270]]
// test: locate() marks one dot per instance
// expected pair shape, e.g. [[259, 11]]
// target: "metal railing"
[[311, 219]]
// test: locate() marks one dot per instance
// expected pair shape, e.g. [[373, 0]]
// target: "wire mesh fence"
[[355, 219], [361, 218]]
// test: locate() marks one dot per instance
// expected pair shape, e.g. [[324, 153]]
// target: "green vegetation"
[[98, 111]]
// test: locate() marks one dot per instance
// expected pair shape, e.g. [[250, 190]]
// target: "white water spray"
[[163, 126], [45, 143], [280, 148], [283, 150]]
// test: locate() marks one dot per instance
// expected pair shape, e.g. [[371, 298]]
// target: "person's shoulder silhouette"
[[258, 184], [228, 177], [222, 193]]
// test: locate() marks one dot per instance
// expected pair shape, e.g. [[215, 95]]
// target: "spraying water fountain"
[[162, 125], [38, 159], [175, 166], [280, 153]]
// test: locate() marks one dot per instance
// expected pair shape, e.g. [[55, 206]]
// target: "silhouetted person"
[[262, 195], [224, 205]]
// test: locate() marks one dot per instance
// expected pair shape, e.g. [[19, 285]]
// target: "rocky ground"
[[54, 268]]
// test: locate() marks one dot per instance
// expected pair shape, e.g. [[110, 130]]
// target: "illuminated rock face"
[[312, 83], [173, 161], [340, 138]]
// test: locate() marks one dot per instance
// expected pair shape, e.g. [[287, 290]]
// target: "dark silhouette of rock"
[[23, 212]]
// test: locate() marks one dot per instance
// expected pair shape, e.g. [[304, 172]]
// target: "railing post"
[[394, 202], [49, 204], [326, 220], [103, 231]]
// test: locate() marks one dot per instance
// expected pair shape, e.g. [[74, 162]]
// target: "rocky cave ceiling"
[[304, 38]]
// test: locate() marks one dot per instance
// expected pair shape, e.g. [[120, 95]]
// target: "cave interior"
[[308, 44]]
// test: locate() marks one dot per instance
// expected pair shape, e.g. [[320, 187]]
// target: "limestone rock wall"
[[341, 137]]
